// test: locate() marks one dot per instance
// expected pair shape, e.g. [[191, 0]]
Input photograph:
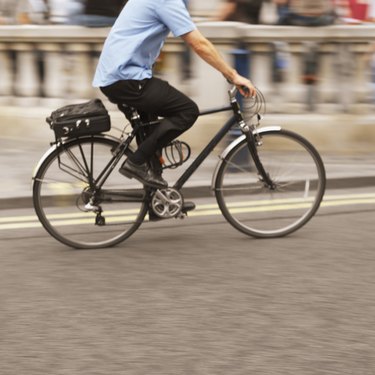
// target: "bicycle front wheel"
[[71, 207], [297, 172]]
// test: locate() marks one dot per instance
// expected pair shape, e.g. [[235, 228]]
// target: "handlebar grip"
[[245, 89], [233, 91]]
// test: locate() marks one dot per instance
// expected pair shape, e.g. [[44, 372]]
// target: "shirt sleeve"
[[175, 16]]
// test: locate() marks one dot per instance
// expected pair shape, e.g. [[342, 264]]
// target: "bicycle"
[[268, 183]]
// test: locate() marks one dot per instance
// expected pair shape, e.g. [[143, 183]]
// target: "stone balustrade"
[[41, 63]]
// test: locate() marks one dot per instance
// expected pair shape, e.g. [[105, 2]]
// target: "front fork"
[[253, 141]]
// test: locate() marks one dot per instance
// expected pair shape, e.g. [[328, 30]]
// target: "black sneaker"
[[143, 174]]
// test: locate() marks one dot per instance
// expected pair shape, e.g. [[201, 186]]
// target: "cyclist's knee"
[[191, 115]]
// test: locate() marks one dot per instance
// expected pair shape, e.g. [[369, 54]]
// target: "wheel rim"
[[255, 209], [62, 190]]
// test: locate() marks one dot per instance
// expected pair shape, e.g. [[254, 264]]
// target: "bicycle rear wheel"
[[65, 186], [297, 171]]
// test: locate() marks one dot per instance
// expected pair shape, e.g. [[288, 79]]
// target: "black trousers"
[[157, 98]]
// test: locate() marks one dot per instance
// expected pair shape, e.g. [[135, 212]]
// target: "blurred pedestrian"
[[312, 14], [282, 8], [342, 10], [359, 9], [99, 13], [8, 13], [371, 11], [23, 12], [32, 11], [307, 12], [247, 11], [371, 58], [64, 11]]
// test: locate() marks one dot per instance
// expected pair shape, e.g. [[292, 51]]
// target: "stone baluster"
[[78, 59], [55, 72], [327, 76], [362, 78], [260, 67], [27, 80], [281, 93], [294, 88], [345, 65], [6, 71]]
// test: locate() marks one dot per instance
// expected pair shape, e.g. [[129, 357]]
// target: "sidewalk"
[[18, 158]]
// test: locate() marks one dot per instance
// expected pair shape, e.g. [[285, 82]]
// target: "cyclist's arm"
[[206, 50]]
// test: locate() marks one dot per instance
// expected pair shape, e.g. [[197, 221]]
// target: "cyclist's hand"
[[245, 87]]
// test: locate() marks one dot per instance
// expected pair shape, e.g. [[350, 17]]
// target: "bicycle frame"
[[208, 149], [137, 124], [202, 155]]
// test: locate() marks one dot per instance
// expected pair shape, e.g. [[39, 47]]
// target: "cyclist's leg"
[[157, 97]]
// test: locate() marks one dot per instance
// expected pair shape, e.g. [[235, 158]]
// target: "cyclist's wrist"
[[231, 75]]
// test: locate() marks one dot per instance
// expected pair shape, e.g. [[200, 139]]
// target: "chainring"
[[167, 203]]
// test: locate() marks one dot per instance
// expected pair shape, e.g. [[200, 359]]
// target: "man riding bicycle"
[[124, 75]]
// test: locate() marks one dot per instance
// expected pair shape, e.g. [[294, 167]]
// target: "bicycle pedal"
[[188, 206]]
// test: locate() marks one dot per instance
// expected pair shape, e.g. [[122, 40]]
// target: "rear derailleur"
[[90, 205]]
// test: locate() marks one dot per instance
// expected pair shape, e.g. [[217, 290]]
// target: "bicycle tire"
[[61, 189], [295, 167]]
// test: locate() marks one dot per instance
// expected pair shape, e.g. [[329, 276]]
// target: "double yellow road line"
[[113, 216]]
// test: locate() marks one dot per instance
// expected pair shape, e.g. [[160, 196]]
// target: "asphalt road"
[[194, 297]]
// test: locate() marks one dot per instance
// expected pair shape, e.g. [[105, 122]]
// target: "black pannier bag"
[[76, 120]]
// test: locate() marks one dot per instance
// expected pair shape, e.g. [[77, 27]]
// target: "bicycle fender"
[[65, 142], [233, 144], [42, 159]]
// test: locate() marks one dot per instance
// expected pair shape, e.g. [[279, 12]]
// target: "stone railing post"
[[260, 66], [6, 71], [361, 76], [27, 80], [79, 69], [54, 85]]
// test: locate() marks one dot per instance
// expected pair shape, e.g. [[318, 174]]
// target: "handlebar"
[[250, 107], [234, 90]]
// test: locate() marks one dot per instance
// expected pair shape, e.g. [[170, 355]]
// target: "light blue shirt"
[[136, 38]]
